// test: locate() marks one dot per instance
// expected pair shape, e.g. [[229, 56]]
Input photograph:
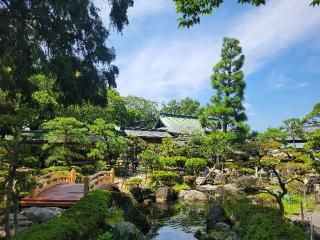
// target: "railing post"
[[73, 176], [86, 185], [112, 175]]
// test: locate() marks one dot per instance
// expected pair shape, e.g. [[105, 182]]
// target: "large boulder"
[[220, 178], [216, 215], [126, 231], [131, 212], [165, 194], [207, 188], [246, 183], [192, 196], [42, 214], [200, 180]]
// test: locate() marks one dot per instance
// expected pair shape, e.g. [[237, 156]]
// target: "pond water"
[[177, 221]]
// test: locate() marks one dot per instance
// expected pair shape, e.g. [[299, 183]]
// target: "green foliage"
[[185, 106], [107, 143], [142, 112], [101, 166], [219, 144], [179, 187], [164, 178], [88, 169], [247, 171], [78, 54], [195, 165], [275, 134], [261, 223], [63, 134], [192, 10], [169, 147], [105, 236], [149, 160], [255, 222], [133, 182], [227, 112], [81, 222]]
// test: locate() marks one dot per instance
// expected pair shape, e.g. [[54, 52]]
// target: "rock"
[[22, 223], [39, 215], [220, 178], [207, 188], [20, 217], [200, 180], [165, 194], [192, 196], [110, 187], [246, 183], [131, 213], [221, 226], [216, 215], [126, 231]]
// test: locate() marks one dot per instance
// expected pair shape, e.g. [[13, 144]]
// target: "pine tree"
[[227, 112]]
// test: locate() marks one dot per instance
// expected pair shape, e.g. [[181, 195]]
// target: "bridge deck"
[[62, 195]]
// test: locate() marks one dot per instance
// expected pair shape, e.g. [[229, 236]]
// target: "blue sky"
[[281, 42]]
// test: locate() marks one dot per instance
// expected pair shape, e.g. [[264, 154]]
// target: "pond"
[[178, 221]]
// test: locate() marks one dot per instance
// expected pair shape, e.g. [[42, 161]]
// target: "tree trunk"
[[281, 206], [10, 198], [15, 212]]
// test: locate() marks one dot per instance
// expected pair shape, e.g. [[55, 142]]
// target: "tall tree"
[[293, 127], [66, 39], [142, 112], [191, 10], [227, 112], [186, 106]]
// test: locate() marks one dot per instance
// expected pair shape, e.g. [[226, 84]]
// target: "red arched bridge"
[[59, 189]]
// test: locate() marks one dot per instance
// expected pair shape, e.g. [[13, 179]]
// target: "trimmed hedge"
[[256, 222], [164, 178], [81, 222], [195, 165]]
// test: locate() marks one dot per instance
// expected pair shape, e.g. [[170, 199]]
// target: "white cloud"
[[249, 109], [267, 30], [279, 80], [175, 67]]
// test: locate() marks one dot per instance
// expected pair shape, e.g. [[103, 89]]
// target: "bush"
[[60, 168], [105, 236], [195, 165], [101, 165], [247, 171], [133, 182], [81, 222], [163, 178], [263, 226], [88, 170], [256, 222], [190, 180], [179, 187]]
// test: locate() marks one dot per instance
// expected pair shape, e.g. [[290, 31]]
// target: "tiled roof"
[[179, 124], [146, 133]]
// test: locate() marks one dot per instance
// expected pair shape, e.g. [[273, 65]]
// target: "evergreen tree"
[[227, 112]]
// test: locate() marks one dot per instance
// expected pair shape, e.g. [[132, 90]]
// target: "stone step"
[[22, 223], [20, 217]]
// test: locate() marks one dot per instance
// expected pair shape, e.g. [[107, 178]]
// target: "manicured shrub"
[[101, 165], [133, 182], [88, 169], [247, 171], [189, 180], [195, 165], [164, 178], [81, 222], [60, 168], [257, 222], [263, 226], [179, 187]]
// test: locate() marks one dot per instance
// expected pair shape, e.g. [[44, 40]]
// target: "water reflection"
[[176, 221]]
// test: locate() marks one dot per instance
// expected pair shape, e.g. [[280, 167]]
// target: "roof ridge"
[[178, 115]]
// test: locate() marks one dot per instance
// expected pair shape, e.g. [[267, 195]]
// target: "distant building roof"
[[179, 124], [146, 133]]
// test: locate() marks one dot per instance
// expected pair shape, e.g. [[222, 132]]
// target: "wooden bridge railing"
[[98, 180], [51, 179]]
